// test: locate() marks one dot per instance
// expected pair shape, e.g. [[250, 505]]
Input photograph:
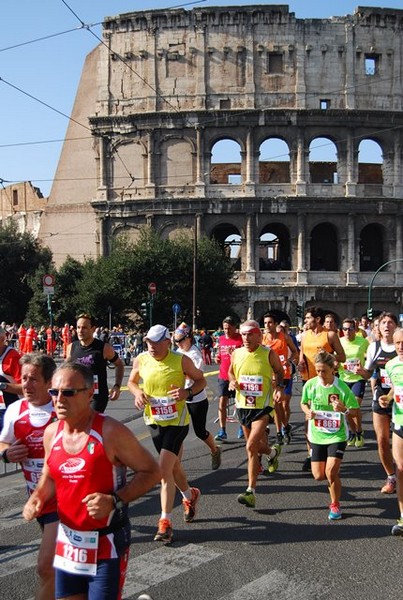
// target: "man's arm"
[[109, 354], [338, 350], [301, 362], [140, 398], [294, 352], [45, 490], [278, 371], [13, 388], [192, 372], [123, 448]]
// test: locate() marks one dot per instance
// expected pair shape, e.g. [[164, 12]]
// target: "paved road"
[[283, 550]]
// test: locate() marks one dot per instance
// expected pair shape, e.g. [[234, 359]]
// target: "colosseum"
[[167, 89]]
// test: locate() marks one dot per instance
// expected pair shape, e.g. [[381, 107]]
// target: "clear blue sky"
[[49, 70]]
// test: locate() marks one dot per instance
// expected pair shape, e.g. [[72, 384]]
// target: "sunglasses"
[[348, 328], [68, 393]]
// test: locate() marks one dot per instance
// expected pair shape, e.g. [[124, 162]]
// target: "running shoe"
[[164, 533], [189, 506], [240, 434], [279, 438], [389, 487], [334, 512], [248, 499], [286, 431], [272, 463], [261, 468], [351, 439], [216, 459], [306, 465], [359, 440], [221, 436], [398, 528]]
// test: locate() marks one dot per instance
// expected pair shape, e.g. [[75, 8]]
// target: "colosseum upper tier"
[[170, 95]]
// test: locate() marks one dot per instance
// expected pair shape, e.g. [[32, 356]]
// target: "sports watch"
[[118, 503]]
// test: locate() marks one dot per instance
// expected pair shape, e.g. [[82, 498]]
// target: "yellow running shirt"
[[254, 374], [158, 376]]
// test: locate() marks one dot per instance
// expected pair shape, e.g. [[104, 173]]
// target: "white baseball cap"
[[157, 333]]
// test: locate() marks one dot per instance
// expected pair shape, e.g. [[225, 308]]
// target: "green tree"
[[66, 290], [121, 280], [22, 260]]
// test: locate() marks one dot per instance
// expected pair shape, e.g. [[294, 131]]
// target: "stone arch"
[[372, 247], [370, 162], [323, 160], [131, 232], [324, 248], [128, 161], [274, 248], [226, 162], [230, 239], [176, 161], [274, 161]]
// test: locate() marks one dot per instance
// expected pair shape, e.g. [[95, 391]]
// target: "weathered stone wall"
[[168, 84]]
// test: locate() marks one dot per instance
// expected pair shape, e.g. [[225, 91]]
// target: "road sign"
[[176, 308], [48, 284], [152, 288]]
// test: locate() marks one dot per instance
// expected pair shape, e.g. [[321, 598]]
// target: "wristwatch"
[[4, 456], [190, 395], [118, 503], [3, 385]]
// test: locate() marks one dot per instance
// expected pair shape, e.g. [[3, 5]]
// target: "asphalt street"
[[283, 549]]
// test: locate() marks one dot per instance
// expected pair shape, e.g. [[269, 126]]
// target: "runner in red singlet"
[[86, 455], [21, 441]]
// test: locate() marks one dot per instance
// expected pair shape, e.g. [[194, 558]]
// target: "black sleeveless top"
[[92, 356]]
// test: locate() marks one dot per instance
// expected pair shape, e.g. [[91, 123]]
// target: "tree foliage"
[[119, 284], [120, 281], [23, 261]]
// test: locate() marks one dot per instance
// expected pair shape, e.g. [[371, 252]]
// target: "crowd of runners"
[[74, 457]]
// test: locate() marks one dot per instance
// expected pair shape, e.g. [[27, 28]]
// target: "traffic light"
[[144, 309], [370, 313], [299, 311]]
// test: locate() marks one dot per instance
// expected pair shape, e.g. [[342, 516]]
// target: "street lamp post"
[[194, 307], [389, 262]]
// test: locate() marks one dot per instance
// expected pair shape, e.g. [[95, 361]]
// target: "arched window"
[[371, 247], [323, 161], [226, 163], [324, 248], [274, 161], [274, 248], [230, 240], [370, 162]]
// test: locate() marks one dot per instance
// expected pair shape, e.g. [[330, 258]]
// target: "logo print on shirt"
[[72, 465]]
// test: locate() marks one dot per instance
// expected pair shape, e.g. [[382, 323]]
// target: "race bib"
[[399, 396], [76, 551], [385, 379], [251, 385], [351, 364], [2, 403], [32, 472], [163, 409], [327, 422]]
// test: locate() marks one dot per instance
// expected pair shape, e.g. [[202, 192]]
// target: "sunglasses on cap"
[[68, 393]]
